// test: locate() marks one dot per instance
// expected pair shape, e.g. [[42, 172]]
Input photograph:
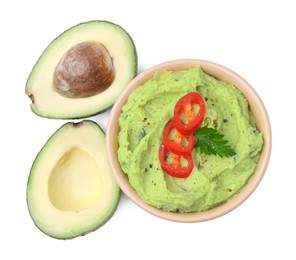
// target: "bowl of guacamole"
[[218, 183]]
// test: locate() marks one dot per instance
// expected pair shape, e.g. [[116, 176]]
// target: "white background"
[[254, 38]]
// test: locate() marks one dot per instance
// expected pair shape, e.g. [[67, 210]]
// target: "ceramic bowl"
[[257, 108]]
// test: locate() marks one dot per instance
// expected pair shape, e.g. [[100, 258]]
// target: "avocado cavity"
[[75, 183]]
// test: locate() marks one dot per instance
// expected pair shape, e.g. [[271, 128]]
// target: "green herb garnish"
[[211, 141], [143, 133]]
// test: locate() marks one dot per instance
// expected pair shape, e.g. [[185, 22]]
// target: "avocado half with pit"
[[71, 190], [82, 71]]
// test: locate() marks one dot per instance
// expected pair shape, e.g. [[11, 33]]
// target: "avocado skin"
[[117, 196], [35, 109]]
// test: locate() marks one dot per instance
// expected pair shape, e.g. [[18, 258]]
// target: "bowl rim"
[[220, 72]]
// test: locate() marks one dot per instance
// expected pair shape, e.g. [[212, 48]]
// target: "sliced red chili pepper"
[[186, 119], [173, 166], [175, 141]]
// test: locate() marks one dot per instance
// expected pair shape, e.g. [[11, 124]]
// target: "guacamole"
[[213, 179]]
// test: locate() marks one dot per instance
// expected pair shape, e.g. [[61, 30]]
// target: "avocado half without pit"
[[82, 71], [71, 190]]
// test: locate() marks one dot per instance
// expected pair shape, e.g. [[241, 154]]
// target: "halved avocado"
[[82, 71], [71, 190]]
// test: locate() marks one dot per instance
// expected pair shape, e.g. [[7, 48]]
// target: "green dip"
[[213, 179]]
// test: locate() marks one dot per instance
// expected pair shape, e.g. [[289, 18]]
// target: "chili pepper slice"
[[175, 141], [173, 166], [186, 119]]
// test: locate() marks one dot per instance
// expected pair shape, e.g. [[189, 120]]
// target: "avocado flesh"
[[46, 102], [71, 190]]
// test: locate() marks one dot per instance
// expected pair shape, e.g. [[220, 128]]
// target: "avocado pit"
[[86, 69]]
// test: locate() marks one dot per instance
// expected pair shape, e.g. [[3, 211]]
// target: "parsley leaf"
[[211, 141]]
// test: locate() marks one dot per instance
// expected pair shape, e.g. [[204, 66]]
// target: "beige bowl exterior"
[[220, 72]]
